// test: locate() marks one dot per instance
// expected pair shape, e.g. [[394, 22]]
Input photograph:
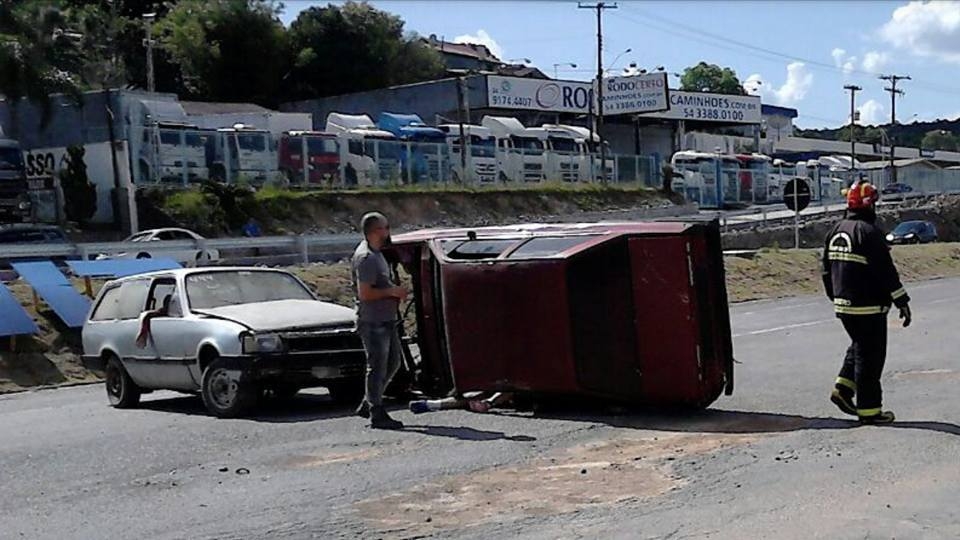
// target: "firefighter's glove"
[[906, 316]]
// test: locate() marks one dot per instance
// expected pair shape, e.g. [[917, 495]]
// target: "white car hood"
[[284, 314]]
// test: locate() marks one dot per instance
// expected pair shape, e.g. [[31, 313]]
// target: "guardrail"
[[299, 244]]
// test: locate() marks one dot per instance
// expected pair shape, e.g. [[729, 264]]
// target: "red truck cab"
[[323, 157]]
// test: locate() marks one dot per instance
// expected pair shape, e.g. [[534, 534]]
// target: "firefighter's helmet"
[[861, 195]]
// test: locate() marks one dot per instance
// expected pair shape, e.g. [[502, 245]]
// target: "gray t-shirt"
[[369, 266]]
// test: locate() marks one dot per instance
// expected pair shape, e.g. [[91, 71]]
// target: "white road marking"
[[781, 328], [781, 308]]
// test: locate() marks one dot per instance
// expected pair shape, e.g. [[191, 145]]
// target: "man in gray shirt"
[[378, 300]]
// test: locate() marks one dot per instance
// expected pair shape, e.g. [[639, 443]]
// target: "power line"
[[699, 33]]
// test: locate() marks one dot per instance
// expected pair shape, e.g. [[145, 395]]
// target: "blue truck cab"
[[424, 153]]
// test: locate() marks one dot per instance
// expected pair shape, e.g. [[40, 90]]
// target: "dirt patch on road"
[[599, 473], [310, 461]]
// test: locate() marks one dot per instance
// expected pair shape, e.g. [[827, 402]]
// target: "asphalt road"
[[776, 460]]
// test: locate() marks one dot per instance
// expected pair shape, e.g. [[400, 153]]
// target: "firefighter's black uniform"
[[860, 278]]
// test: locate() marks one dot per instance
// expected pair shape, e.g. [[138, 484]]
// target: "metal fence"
[[177, 156]]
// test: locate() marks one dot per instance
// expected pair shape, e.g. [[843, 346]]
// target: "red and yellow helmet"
[[861, 195]]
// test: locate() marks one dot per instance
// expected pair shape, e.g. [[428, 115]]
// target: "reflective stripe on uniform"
[[841, 307], [868, 412], [843, 381], [901, 292], [846, 257]]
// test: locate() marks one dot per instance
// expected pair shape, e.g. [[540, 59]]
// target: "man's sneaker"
[[844, 403], [885, 417], [379, 419], [363, 410]]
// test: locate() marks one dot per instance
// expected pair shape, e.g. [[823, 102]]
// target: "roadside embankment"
[[217, 210]]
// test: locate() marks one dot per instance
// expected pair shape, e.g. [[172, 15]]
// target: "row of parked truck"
[[355, 150]]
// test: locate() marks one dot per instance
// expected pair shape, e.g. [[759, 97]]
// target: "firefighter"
[[860, 278]]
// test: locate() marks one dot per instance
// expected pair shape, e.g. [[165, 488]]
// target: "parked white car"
[[231, 334], [182, 253]]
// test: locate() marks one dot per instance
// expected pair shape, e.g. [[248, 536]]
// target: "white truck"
[[588, 145], [169, 148], [521, 154], [564, 154], [367, 152], [481, 152], [242, 152]]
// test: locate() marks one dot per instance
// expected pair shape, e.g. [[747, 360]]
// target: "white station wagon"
[[231, 334]]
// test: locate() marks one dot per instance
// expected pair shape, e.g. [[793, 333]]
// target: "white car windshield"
[[210, 290]]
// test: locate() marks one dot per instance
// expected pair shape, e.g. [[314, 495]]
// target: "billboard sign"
[[635, 94], [708, 107], [538, 94]]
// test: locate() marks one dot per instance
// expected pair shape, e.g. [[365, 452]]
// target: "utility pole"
[[149, 43], [462, 107], [597, 116], [893, 115], [853, 122]]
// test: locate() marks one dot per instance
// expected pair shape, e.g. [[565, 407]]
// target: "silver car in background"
[[231, 334]]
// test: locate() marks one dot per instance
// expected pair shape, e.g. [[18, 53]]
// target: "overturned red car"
[[633, 312]]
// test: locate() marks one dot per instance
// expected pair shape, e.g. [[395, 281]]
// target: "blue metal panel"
[[14, 321], [120, 267], [52, 286]]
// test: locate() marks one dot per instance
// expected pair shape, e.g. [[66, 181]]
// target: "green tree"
[[939, 140], [79, 194], [355, 47], [705, 77], [867, 135], [39, 54], [227, 50]]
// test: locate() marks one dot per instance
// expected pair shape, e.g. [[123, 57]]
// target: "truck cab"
[[424, 157], [564, 156], [368, 154], [481, 152], [318, 149], [588, 145], [169, 148], [521, 154], [15, 205], [242, 152]]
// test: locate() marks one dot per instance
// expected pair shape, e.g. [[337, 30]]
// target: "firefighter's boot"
[[842, 396], [379, 419], [884, 417]]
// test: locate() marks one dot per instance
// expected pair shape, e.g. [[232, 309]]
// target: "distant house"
[[470, 56], [475, 57]]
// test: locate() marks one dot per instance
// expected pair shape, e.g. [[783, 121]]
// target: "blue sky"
[[803, 53]]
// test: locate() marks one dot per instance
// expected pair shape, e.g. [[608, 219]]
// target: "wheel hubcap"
[[114, 382], [223, 389]]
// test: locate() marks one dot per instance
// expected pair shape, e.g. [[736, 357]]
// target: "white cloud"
[[875, 61], [930, 29], [482, 38], [794, 89], [838, 55], [871, 113], [840, 58]]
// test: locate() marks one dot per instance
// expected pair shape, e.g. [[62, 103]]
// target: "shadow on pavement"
[[724, 421], [467, 434], [301, 408]]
